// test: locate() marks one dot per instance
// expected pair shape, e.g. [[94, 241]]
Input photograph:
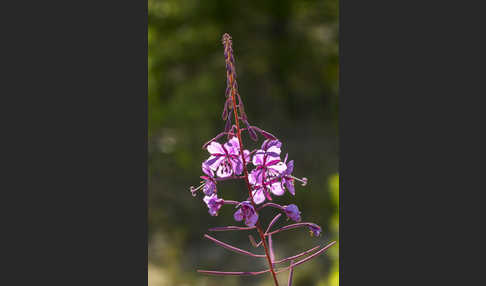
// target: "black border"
[[409, 119], [75, 76], [75, 153]]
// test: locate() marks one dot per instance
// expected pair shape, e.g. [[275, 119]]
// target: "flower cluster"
[[262, 169], [269, 176]]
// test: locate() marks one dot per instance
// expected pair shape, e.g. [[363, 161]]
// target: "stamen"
[[303, 181], [194, 190]]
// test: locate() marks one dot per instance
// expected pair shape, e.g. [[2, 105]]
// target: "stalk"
[[245, 171]]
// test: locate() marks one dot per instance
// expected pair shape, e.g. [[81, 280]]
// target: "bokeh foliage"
[[286, 56]]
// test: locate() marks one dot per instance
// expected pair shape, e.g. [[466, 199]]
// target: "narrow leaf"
[[233, 248]]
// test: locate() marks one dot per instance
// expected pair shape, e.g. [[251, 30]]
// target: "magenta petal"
[[214, 161], [246, 153], [209, 188], [215, 148], [237, 166], [258, 158], [267, 144], [252, 178], [233, 146], [252, 219], [224, 170], [273, 151], [238, 215], [207, 170], [255, 176], [247, 212], [277, 189], [292, 211], [213, 203], [290, 167], [289, 183], [272, 162], [278, 168], [258, 196]]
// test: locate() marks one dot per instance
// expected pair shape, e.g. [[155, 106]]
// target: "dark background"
[[287, 63], [74, 143]]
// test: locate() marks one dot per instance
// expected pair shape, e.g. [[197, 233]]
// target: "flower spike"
[[265, 175]]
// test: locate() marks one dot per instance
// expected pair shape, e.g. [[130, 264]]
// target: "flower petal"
[[271, 143], [206, 199], [238, 215], [252, 219], [209, 188], [246, 153], [315, 230], [232, 146], [277, 189], [224, 170], [279, 167], [214, 161], [237, 165], [258, 196], [255, 176], [289, 183], [213, 203], [273, 151], [292, 211], [215, 148], [258, 158], [290, 167], [207, 169]]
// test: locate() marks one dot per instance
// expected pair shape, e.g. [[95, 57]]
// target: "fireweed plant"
[[270, 176]]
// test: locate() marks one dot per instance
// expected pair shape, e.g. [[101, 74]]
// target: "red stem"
[[291, 274], [259, 228]]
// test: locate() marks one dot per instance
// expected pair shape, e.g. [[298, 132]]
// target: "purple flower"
[[209, 182], [315, 230], [292, 212], [270, 150], [246, 212], [226, 159], [213, 203], [287, 179], [260, 193], [268, 166]]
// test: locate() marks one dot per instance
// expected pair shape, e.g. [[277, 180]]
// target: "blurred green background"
[[287, 62]]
